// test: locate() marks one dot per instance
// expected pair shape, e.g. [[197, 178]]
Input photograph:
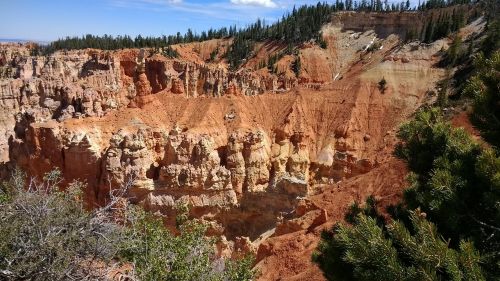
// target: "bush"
[[48, 235], [483, 87], [453, 180], [213, 54], [169, 52], [297, 66], [382, 85], [159, 255], [374, 47], [454, 53], [491, 43], [322, 43]]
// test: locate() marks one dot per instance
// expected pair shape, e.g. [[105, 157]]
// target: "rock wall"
[[87, 83], [241, 175], [400, 23], [246, 150]]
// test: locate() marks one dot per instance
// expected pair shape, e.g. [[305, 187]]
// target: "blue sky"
[[47, 20]]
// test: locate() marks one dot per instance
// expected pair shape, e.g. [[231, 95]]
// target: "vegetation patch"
[[47, 234]]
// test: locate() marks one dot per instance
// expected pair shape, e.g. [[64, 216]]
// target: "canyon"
[[266, 159]]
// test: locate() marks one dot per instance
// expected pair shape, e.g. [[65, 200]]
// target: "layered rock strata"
[[244, 156]]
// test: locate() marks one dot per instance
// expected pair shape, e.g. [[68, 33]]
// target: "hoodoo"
[[265, 135]]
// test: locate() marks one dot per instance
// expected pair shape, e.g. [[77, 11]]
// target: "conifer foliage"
[[442, 25], [300, 25], [239, 51], [370, 251], [160, 255], [484, 88], [448, 225], [454, 188], [454, 180]]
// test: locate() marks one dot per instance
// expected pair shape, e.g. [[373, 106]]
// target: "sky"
[[47, 20]]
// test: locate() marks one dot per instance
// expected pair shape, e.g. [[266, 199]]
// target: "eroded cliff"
[[257, 155]]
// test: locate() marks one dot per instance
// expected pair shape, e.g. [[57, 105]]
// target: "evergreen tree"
[[382, 85], [453, 53], [300, 25], [429, 32], [296, 66], [169, 52], [370, 251], [239, 51], [454, 188], [483, 87]]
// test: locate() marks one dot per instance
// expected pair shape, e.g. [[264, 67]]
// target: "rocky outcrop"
[[385, 24], [291, 163], [128, 158], [91, 83], [306, 216], [193, 164], [247, 159], [142, 86], [65, 85]]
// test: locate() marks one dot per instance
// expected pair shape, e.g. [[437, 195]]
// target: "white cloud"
[[263, 3], [238, 12]]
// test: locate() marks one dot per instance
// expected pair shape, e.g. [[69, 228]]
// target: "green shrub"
[[170, 52], [322, 43], [297, 66], [455, 181], [46, 234], [382, 85], [159, 255]]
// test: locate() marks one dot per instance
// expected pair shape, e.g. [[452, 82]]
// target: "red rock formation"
[[256, 155]]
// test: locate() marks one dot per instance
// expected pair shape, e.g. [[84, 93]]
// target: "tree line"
[[295, 27], [109, 42], [300, 24], [443, 26]]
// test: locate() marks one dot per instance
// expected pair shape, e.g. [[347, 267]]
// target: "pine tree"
[[382, 85], [429, 32], [483, 88], [296, 66], [370, 251], [453, 194], [453, 52]]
